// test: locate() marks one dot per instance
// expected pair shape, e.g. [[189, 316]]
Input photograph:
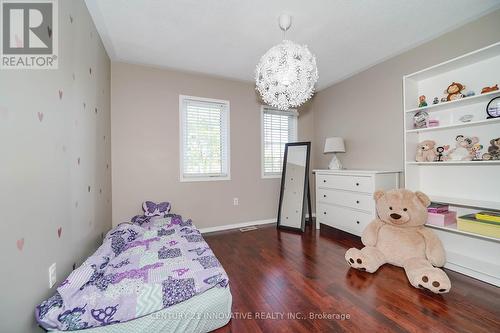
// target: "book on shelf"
[[437, 208], [488, 216], [470, 223]]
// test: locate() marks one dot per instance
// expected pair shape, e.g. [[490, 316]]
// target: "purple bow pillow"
[[152, 209]]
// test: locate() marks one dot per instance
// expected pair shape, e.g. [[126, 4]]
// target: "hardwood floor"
[[278, 273]]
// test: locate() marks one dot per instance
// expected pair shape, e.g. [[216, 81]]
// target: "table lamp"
[[334, 145]]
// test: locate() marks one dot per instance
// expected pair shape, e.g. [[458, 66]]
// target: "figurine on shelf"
[[486, 90], [454, 91], [441, 153], [476, 152], [463, 149], [421, 101], [493, 150], [425, 151], [444, 100], [435, 101]]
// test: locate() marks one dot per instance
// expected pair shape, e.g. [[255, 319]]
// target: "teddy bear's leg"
[[423, 275], [367, 259]]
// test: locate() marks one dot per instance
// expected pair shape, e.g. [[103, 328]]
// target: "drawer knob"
[[357, 184], [324, 180], [357, 222], [357, 201], [324, 213], [324, 195]]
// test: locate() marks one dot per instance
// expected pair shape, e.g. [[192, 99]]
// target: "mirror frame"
[[306, 186]]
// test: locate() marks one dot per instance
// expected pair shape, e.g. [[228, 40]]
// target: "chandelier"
[[286, 73]]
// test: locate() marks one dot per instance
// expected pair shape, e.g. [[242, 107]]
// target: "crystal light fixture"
[[286, 74]]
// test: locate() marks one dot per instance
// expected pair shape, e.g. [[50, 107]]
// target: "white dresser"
[[344, 198]]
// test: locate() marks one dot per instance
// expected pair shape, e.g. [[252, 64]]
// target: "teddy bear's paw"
[[434, 280], [357, 259]]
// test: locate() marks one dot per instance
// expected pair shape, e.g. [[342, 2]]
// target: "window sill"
[[203, 179], [271, 176]]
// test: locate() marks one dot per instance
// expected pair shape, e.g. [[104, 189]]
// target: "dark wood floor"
[[281, 272]]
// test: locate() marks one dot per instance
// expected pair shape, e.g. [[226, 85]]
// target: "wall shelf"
[[467, 186], [457, 125], [444, 163], [454, 228], [459, 102], [466, 202]]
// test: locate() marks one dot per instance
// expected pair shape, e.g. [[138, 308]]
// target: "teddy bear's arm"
[[434, 250], [370, 234]]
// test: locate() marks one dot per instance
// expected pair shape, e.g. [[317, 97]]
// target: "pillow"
[[152, 209]]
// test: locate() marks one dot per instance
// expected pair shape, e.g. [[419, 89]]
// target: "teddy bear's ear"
[[424, 199], [378, 194]]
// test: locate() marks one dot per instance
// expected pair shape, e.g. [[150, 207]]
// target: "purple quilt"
[[139, 269]]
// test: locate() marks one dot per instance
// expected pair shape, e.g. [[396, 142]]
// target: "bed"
[[155, 274]]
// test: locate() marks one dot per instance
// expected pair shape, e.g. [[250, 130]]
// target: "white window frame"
[[182, 98], [262, 109]]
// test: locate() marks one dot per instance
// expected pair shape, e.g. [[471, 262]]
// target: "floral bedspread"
[[139, 269]]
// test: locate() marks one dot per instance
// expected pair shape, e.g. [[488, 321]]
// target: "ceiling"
[[226, 38]]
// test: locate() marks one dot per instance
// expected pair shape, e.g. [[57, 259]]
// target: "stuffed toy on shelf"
[[425, 151], [398, 236], [463, 148], [493, 150], [454, 91]]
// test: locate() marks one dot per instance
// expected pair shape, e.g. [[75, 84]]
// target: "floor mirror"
[[294, 193]]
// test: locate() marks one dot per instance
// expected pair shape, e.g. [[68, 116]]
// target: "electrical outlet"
[[52, 275], [236, 201]]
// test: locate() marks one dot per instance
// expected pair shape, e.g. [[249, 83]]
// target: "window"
[[278, 128], [204, 139]]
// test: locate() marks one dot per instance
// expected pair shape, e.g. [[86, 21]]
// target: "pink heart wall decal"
[[60, 94], [20, 244], [59, 232], [40, 116]]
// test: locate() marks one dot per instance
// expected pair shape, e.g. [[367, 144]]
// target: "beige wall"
[[366, 109], [43, 187], [145, 148]]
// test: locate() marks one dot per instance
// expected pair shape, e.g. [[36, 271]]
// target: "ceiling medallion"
[[286, 74]]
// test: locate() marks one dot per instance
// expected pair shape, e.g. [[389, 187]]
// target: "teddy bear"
[[454, 91], [425, 151], [493, 150], [463, 148], [398, 237]]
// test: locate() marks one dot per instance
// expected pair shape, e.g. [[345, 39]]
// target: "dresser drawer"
[[343, 218], [349, 199], [349, 183]]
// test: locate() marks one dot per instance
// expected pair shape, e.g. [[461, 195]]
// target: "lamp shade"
[[334, 145]]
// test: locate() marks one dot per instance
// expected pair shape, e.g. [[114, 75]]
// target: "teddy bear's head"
[[426, 145], [401, 207], [495, 142], [466, 141]]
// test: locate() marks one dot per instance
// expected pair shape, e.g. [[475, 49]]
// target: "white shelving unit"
[[467, 186]]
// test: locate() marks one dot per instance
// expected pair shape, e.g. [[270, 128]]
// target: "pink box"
[[442, 219]]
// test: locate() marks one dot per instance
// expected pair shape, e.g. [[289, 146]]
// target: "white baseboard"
[[236, 225]]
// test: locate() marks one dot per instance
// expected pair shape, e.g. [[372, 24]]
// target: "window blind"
[[279, 128], [204, 139]]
